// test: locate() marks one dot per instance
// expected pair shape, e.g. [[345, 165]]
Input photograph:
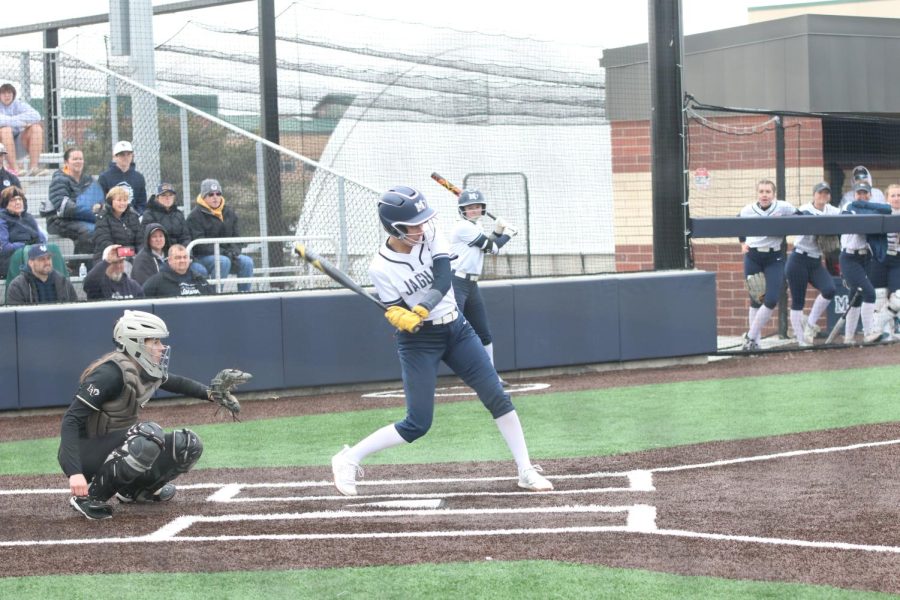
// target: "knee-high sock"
[[380, 439], [797, 322], [762, 318], [851, 322], [511, 429], [751, 316], [868, 317], [489, 348], [818, 307]]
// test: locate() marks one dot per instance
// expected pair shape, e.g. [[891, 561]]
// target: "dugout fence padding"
[[319, 338]]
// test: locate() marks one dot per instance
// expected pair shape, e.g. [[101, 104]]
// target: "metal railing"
[[267, 274]]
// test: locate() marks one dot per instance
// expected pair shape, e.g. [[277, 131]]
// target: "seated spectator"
[[38, 283], [161, 208], [17, 227], [122, 173], [72, 202], [117, 223], [108, 279], [211, 218], [18, 120], [7, 178], [177, 278], [152, 256]]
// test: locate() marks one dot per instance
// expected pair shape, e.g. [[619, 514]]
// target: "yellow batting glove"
[[404, 319], [421, 311]]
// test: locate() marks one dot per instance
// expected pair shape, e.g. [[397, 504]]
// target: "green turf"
[[489, 579], [586, 423]]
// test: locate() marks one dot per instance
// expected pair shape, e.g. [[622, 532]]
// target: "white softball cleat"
[[345, 472], [532, 480]]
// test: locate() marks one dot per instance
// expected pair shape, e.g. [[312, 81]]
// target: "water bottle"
[[82, 270]]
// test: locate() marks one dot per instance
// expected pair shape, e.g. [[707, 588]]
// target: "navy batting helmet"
[[401, 206], [471, 196]]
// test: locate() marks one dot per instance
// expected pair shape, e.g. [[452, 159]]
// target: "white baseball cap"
[[123, 146]]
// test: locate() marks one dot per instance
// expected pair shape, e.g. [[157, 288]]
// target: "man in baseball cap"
[[39, 283], [123, 173], [6, 177]]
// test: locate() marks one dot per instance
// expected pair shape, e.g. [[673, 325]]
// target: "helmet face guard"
[[469, 197], [131, 332], [403, 207]]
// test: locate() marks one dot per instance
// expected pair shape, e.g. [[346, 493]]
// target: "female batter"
[[411, 273]]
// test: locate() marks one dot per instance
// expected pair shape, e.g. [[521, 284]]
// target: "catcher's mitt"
[[220, 390], [756, 286], [828, 243]]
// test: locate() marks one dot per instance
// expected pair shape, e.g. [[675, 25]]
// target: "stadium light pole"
[[670, 217], [268, 125]]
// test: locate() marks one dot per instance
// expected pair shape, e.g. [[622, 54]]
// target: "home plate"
[[426, 503]]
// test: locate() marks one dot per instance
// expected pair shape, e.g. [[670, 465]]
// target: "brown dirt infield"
[[825, 518]]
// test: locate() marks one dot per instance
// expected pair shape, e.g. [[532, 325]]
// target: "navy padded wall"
[[667, 314], [55, 344], [500, 300], [570, 323], [9, 376]]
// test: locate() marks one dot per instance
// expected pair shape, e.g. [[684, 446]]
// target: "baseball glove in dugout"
[[828, 243], [756, 286]]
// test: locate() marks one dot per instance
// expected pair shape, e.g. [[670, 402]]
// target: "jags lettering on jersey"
[[419, 281]]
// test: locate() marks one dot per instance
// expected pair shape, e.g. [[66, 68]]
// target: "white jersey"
[[408, 277], [468, 259], [778, 208], [807, 243], [893, 238]]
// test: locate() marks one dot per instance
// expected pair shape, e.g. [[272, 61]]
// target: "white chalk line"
[[460, 390]]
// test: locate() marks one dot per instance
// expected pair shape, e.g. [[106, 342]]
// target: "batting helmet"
[[469, 197], [401, 206], [129, 334]]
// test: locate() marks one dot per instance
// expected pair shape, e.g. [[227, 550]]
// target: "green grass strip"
[[572, 424], [496, 580]]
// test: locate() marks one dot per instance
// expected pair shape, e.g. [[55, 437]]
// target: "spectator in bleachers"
[[161, 208], [108, 279], [19, 120], [17, 227], [7, 178], [211, 218], [117, 223], [72, 202], [152, 256], [38, 283], [177, 279], [122, 173]]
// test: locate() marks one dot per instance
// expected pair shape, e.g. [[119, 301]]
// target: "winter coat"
[[147, 264], [172, 219], [131, 180], [167, 283], [125, 230], [16, 231], [62, 197], [23, 289], [7, 179], [204, 224], [97, 286]]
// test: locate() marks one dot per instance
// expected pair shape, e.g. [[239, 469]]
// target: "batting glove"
[[500, 226], [404, 319]]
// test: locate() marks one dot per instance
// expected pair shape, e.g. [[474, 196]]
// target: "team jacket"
[[124, 230], [109, 399], [172, 219], [167, 283], [97, 286], [132, 180]]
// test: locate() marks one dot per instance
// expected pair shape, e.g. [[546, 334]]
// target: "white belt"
[[468, 276], [448, 318], [860, 251], [893, 252], [764, 249], [805, 253]]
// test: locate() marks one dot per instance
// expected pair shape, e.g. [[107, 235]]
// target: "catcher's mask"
[[131, 332]]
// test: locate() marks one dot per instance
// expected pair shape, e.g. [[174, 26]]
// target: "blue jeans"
[[244, 268]]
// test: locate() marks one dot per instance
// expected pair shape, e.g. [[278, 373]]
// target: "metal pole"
[[261, 205], [52, 113], [344, 259], [185, 162], [780, 184]]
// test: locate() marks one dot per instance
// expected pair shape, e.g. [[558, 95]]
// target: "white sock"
[[751, 317], [851, 322], [380, 439], [489, 348], [868, 317], [762, 318], [818, 307], [511, 430], [797, 323]]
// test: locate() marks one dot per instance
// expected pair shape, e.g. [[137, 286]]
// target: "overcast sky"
[[601, 23]]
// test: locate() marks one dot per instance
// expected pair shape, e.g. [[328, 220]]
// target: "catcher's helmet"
[[469, 197], [129, 334], [401, 206]]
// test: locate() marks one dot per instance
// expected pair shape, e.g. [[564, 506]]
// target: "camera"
[[124, 252]]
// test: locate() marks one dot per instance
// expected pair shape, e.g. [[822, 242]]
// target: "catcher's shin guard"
[[182, 451], [143, 445]]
